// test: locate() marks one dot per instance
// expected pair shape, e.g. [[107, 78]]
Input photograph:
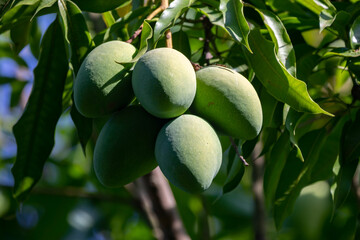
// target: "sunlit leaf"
[[168, 17], [34, 132], [342, 52], [235, 21], [283, 46], [354, 34], [44, 4], [314, 6], [276, 79], [327, 17]]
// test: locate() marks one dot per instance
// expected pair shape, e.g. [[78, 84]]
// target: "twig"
[[237, 151], [151, 16], [208, 35], [258, 191], [159, 204]]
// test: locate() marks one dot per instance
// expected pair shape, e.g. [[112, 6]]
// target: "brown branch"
[[259, 218], [208, 35], [155, 195], [151, 16], [237, 151]]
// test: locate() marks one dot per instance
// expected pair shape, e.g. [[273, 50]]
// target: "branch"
[[208, 35], [237, 151], [151, 16], [258, 191], [155, 195]]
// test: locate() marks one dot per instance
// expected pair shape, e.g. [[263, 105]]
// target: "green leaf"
[[283, 46], [235, 175], [269, 136], [16, 92], [34, 132], [344, 182], [20, 13], [34, 38], [214, 16], [83, 127], [342, 52], [350, 140], [296, 173], [272, 110], [168, 17], [326, 18], [274, 165], [354, 34], [75, 31], [314, 6], [235, 22], [77, 34], [180, 42], [289, 186], [20, 36], [329, 153], [276, 79], [44, 4]]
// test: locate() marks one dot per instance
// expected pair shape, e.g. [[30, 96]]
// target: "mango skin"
[[189, 153], [164, 82], [124, 149], [98, 6], [103, 86], [228, 101]]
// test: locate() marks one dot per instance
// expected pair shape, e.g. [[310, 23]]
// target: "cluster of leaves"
[[309, 99]]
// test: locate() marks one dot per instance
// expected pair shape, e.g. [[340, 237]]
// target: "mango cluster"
[[174, 121]]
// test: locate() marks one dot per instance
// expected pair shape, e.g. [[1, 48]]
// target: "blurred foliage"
[[302, 57]]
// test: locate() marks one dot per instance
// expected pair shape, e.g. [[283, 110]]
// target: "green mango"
[[124, 149], [164, 82], [189, 153], [102, 85], [99, 6], [228, 101]]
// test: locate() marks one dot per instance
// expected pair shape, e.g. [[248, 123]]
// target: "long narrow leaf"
[[34, 132], [276, 79], [168, 17], [235, 21], [79, 39]]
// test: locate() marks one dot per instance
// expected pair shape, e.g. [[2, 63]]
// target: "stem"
[[258, 191], [168, 35], [151, 16], [208, 35], [237, 151], [159, 204]]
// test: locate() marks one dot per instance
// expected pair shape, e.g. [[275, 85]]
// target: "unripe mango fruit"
[[124, 149], [98, 6], [102, 85], [228, 101], [189, 153], [164, 82]]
